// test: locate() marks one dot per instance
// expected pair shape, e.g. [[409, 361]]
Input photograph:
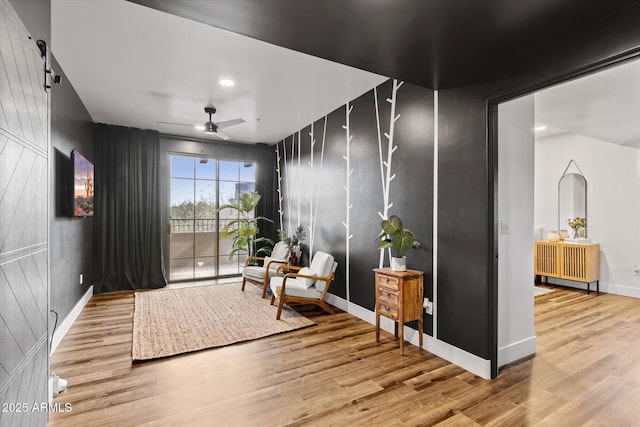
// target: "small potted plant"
[[294, 243], [398, 238]]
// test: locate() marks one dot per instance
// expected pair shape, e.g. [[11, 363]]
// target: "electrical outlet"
[[429, 308], [81, 278], [636, 270], [505, 228]]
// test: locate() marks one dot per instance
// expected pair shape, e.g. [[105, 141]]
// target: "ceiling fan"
[[211, 128]]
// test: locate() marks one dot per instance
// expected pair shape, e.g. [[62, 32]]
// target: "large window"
[[197, 187]]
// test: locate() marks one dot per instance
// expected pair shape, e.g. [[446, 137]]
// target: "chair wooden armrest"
[[322, 262], [274, 261], [304, 276], [327, 279], [253, 258], [288, 267], [259, 271]]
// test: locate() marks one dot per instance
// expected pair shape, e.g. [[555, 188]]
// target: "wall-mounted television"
[[82, 185]]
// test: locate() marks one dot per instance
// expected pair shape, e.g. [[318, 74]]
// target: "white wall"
[[516, 144], [613, 202]]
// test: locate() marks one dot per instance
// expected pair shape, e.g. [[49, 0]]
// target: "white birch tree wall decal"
[[315, 203], [279, 189], [310, 192], [346, 188], [286, 181], [293, 190], [298, 181], [385, 165]]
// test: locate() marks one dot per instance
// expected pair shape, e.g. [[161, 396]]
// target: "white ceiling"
[[135, 66], [605, 106]]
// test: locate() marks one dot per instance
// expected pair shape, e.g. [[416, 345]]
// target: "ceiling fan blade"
[[222, 135], [177, 124], [227, 123]]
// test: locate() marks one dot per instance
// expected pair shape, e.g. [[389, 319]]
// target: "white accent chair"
[[260, 275], [309, 285]]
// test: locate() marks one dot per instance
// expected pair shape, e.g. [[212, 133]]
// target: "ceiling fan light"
[[199, 127], [210, 128]]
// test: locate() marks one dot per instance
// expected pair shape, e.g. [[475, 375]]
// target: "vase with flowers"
[[577, 224]]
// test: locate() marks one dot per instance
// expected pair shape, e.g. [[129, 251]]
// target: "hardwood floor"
[[586, 373]]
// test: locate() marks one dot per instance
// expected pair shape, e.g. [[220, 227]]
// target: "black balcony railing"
[[198, 225]]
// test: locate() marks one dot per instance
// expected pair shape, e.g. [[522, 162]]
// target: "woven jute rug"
[[167, 322]]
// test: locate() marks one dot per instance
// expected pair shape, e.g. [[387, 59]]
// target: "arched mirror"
[[572, 198]]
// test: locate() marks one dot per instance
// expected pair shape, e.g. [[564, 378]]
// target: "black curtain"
[[128, 229], [266, 185]]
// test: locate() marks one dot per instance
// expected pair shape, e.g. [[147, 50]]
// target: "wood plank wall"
[[24, 184]]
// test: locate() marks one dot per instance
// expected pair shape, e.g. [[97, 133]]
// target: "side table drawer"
[[388, 310], [388, 295], [390, 283]]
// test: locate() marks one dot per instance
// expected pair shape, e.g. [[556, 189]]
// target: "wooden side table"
[[399, 298]]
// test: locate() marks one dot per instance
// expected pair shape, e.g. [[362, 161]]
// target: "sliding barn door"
[[24, 184]]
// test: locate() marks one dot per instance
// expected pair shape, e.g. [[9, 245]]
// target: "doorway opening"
[[591, 122]]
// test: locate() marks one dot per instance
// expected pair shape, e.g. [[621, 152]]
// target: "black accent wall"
[[467, 248], [305, 183], [71, 238], [467, 230]]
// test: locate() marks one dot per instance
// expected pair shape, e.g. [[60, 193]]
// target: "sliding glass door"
[[197, 187]]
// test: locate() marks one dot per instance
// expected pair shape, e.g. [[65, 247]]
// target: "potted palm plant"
[[399, 239], [294, 243], [244, 228]]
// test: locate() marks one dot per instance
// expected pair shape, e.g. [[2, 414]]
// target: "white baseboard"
[[335, 301], [65, 325], [627, 291], [453, 354], [517, 350], [609, 288]]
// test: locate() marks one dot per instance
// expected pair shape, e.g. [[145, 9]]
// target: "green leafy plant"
[[299, 234], [244, 229], [396, 237]]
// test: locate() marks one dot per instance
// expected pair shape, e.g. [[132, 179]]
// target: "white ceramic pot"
[[399, 264]]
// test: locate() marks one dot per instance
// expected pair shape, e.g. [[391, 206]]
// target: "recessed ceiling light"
[[227, 82], [199, 127], [539, 128]]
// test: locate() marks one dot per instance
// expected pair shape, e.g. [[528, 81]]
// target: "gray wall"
[[71, 238]]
